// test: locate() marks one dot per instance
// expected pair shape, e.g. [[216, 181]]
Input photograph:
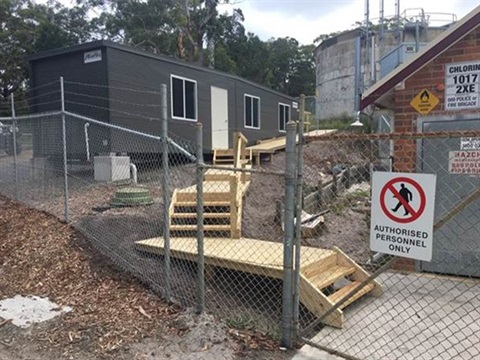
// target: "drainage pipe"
[[87, 141], [133, 173]]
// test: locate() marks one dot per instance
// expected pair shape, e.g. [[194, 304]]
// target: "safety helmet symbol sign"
[[408, 197]]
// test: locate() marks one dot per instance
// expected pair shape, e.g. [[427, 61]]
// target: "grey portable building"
[[100, 79]]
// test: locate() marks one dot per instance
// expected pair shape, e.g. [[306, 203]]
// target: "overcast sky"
[[305, 20]]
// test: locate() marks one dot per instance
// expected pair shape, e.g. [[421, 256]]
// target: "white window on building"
[[252, 112], [184, 98], [283, 116]]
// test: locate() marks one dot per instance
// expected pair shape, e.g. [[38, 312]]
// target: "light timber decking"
[[270, 146], [319, 269]]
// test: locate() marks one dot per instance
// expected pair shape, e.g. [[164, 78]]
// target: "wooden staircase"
[[223, 192], [326, 282]]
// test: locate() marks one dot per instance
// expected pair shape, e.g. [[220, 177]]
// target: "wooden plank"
[[360, 274], [234, 203], [246, 253], [331, 275], [320, 265], [340, 294], [210, 215], [207, 203], [315, 301], [171, 209], [205, 227]]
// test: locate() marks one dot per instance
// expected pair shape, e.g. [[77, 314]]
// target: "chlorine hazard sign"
[[402, 214]]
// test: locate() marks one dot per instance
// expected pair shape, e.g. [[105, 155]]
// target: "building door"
[[456, 245], [219, 118]]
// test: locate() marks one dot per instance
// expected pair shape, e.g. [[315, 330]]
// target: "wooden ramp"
[[321, 269], [271, 146]]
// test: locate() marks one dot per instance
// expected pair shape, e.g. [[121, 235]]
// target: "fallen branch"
[[5, 322]]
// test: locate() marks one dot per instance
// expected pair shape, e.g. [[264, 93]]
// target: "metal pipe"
[[101, 123], [367, 37], [298, 222], [382, 27], [358, 73], [165, 189], [87, 142], [133, 173], [287, 298], [33, 116], [373, 70], [200, 230], [64, 143], [14, 140]]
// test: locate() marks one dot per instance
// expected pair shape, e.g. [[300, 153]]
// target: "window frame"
[[289, 116], [245, 112], [183, 79]]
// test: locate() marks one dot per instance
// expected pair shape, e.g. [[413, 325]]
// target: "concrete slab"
[[310, 353], [419, 316], [26, 310]]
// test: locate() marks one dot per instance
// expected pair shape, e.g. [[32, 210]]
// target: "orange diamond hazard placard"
[[402, 214], [424, 102]]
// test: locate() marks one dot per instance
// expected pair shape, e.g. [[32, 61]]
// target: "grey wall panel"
[[79, 98], [128, 94]]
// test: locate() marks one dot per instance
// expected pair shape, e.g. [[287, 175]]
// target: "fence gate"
[[457, 245]]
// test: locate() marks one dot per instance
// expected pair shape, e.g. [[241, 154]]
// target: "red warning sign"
[[404, 190]]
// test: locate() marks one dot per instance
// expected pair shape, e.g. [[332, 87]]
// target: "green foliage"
[[27, 28], [192, 30]]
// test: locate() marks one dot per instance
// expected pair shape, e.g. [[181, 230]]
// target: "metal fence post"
[[287, 298], [165, 189], [64, 143], [298, 223], [14, 139], [200, 231]]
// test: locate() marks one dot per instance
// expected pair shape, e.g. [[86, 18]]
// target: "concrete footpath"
[[419, 316]]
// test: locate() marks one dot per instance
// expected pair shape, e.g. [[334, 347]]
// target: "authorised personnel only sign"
[[402, 214]]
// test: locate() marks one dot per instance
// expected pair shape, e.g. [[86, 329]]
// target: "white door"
[[219, 118]]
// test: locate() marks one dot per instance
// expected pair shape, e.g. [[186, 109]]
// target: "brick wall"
[[429, 77]]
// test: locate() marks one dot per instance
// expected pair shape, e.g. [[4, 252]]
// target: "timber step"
[[191, 219], [340, 294], [206, 203], [205, 227], [206, 215], [331, 275], [208, 207]]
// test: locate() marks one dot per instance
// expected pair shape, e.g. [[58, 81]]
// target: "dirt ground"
[[114, 316], [113, 231], [344, 227]]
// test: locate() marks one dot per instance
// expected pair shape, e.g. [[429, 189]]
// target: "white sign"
[[462, 88], [92, 56], [470, 143], [294, 105], [402, 214], [464, 162]]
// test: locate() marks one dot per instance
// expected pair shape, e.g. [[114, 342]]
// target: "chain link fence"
[[284, 247], [399, 307]]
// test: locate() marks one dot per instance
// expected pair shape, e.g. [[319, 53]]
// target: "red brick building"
[[439, 89]]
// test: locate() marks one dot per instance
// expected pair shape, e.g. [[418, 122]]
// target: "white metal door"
[[219, 118]]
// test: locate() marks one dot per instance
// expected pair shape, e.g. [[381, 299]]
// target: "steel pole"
[[165, 190], [298, 223], [287, 298], [200, 230], [14, 139], [64, 143]]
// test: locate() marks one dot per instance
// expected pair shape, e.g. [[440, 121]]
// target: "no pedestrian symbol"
[[402, 214], [403, 190]]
